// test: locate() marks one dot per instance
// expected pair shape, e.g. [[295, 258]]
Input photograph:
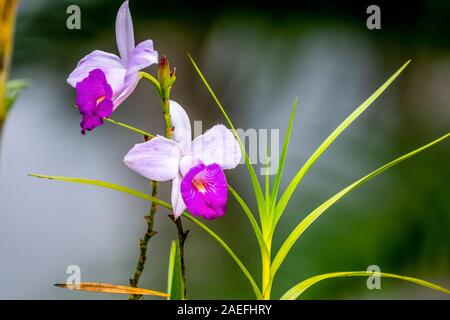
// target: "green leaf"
[[131, 128], [254, 179], [230, 252], [276, 183], [251, 218], [267, 182], [284, 200], [297, 290], [13, 90], [106, 185], [309, 219], [126, 126], [175, 285], [142, 195]]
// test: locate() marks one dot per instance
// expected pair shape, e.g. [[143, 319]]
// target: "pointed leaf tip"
[[110, 288], [298, 289]]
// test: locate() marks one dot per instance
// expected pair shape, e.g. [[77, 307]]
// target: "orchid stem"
[[163, 87], [182, 235], [153, 81], [166, 79], [143, 243], [126, 126]]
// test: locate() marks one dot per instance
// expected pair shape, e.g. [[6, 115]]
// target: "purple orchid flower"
[[121, 73], [194, 167], [94, 96]]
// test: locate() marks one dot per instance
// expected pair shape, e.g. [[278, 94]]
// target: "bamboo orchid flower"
[[121, 73], [194, 167]]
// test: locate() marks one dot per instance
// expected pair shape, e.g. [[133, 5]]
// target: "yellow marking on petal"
[[199, 184], [100, 100]]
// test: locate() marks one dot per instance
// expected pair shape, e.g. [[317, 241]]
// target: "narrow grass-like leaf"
[[13, 90], [164, 204], [297, 290], [256, 290], [110, 288], [175, 283], [252, 220], [265, 254], [124, 125], [267, 180], [309, 219], [287, 194], [276, 183], [254, 179], [127, 126], [266, 221], [106, 185]]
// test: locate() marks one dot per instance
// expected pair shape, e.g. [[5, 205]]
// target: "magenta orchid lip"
[[94, 96], [205, 191]]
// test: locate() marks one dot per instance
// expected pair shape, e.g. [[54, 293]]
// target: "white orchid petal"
[[157, 159], [143, 56], [178, 205], [109, 63], [217, 145], [124, 32], [182, 126], [131, 82], [186, 163]]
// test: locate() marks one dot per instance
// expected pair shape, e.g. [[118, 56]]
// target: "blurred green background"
[[258, 58]]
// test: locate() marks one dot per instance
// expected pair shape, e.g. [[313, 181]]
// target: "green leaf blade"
[[267, 180], [175, 283], [106, 185], [13, 90], [316, 213], [253, 223], [255, 287], [253, 178], [287, 194], [128, 127], [277, 181], [301, 287]]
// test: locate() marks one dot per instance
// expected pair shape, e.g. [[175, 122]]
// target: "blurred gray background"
[[258, 59]]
